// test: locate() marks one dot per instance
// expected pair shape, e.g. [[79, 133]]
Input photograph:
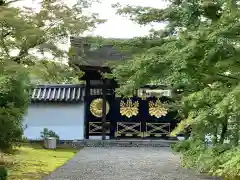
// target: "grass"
[[32, 162]]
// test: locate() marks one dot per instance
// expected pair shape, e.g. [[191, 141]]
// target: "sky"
[[116, 26], [122, 27]]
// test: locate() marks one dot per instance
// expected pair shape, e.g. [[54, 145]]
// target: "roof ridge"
[[59, 85]]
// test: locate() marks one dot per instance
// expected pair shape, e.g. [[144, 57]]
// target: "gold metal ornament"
[[129, 108], [96, 107], [156, 109]]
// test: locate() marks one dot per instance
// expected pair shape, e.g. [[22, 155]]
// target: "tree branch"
[[10, 2], [6, 34], [4, 24], [227, 76], [24, 50], [3, 42]]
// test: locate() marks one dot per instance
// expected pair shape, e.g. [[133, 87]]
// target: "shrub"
[[229, 166], [14, 100], [225, 163], [220, 160], [181, 146], [24, 139], [3, 173], [190, 149], [48, 133]]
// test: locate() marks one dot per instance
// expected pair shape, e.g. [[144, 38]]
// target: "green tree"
[[14, 99], [40, 32], [53, 72], [197, 51], [26, 33]]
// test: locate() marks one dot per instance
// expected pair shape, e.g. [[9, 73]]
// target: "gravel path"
[[124, 163]]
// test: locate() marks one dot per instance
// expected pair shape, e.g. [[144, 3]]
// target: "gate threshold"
[[124, 143]]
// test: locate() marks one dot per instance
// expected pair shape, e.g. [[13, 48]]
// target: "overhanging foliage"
[[198, 51]]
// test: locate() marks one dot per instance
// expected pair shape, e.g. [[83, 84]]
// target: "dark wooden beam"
[[86, 107], [94, 68], [104, 112]]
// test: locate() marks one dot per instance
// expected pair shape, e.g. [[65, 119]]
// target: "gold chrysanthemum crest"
[[96, 107], [129, 108], [156, 109]]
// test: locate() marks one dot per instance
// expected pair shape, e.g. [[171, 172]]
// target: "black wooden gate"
[[130, 117], [93, 113], [143, 118]]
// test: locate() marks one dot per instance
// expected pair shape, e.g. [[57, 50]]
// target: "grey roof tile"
[[63, 93], [58, 93]]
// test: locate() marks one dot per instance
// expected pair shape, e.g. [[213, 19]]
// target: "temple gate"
[[118, 117]]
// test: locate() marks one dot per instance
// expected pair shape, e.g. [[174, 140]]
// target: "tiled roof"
[[66, 93], [96, 56], [58, 93]]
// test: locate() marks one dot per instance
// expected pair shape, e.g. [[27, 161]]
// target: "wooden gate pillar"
[[104, 106], [86, 106]]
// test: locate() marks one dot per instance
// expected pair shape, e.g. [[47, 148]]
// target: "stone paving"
[[124, 163]]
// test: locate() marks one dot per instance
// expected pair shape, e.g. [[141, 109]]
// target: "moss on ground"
[[32, 162]]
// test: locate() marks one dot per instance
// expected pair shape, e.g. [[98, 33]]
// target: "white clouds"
[[118, 26]]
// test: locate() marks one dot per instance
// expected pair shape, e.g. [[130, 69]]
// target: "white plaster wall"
[[67, 120]]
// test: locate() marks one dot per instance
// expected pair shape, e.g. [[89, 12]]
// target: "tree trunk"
[[214, 139], [224, 131]]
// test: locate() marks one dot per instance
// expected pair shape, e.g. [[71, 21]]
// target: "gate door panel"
[[93, 115], [127, 117], [128, 129], [157, 129], [95, 128], [136, 117]]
